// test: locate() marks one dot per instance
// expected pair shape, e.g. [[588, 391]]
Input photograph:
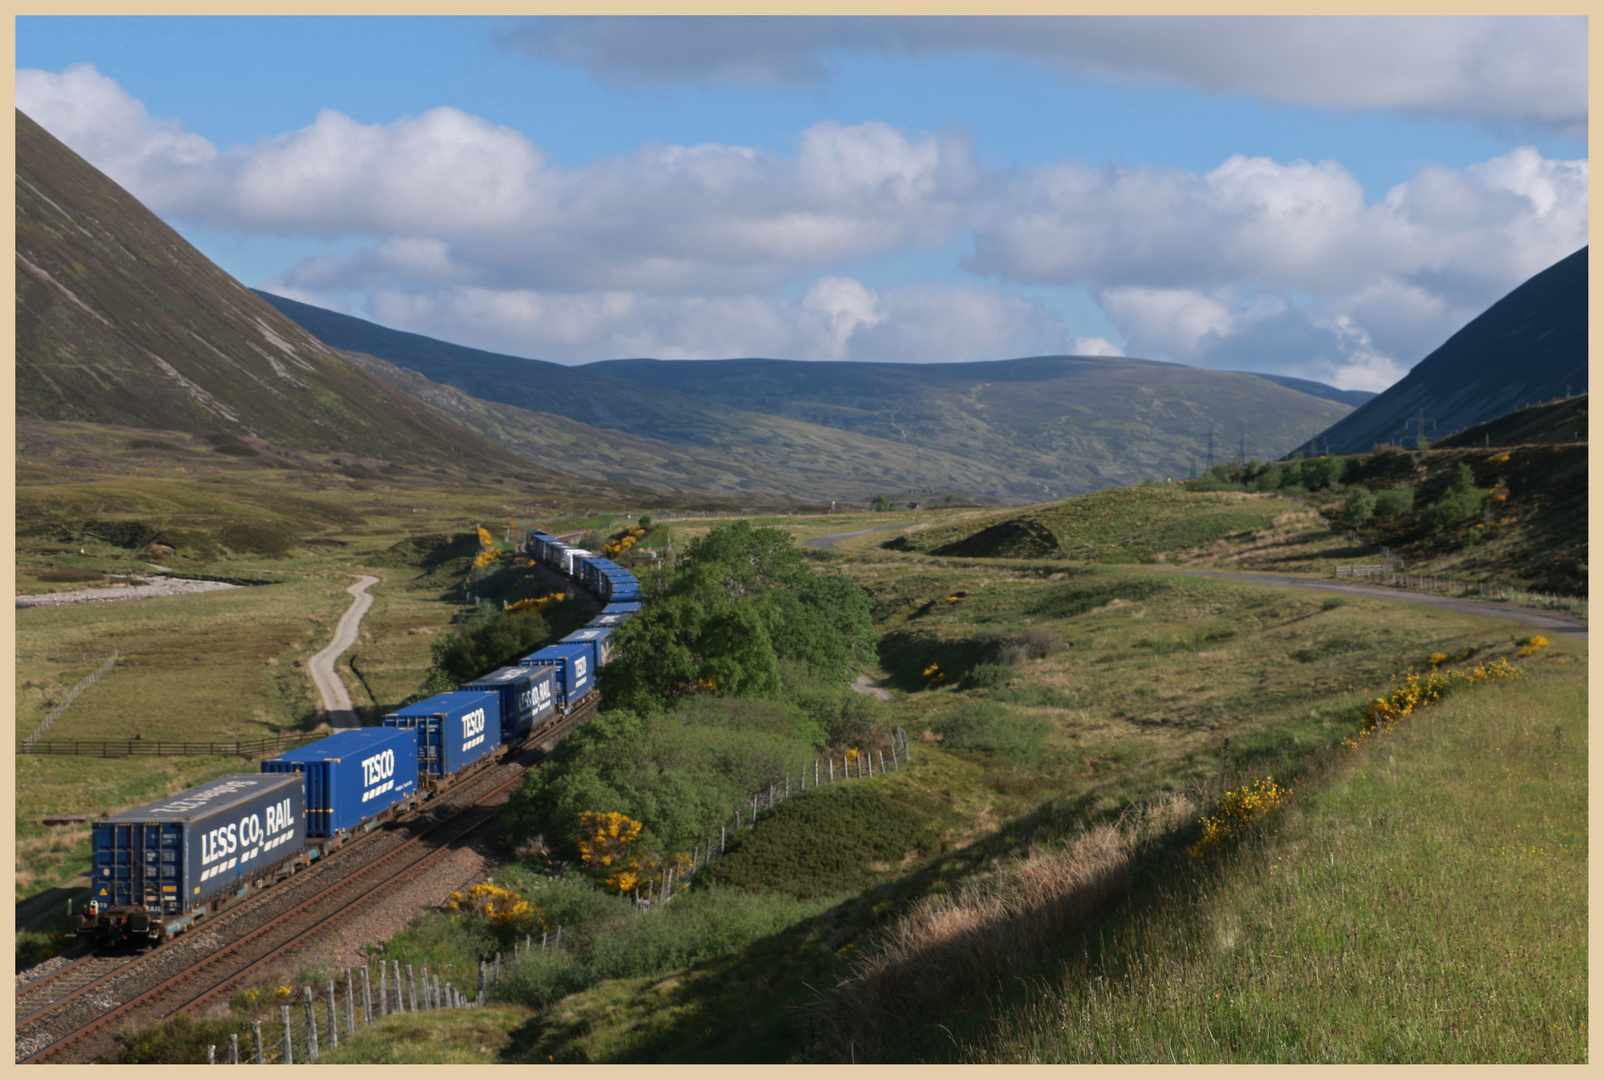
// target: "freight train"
[[159, 869]]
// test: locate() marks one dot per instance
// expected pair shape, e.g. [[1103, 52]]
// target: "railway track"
[[70, 1014]]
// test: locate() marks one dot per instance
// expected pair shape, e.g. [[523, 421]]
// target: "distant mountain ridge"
[[1016, 430], [1528, 347]]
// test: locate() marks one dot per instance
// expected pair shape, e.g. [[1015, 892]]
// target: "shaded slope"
[[1530, 346]]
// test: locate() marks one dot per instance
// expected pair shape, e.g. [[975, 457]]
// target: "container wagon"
[[159, 868], [575, 669], [600, 640], [354, 780], [527, 700], [454, 730]]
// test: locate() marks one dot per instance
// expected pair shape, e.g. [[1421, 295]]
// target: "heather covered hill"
[[1014, 430], [1529, 347]]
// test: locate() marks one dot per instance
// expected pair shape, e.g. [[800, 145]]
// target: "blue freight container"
[[526, 697], [621, 608], [454, 729], [173, 855], [608, 620], [596, 569], [575, 668], [599, 638], [352, 776], [623, 595]]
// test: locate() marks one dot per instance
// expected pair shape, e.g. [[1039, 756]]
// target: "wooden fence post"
[[412, 990], [233, 1048], [311, 1025], [256, 1038], [289, 1046], [350, 1004], [211, 1053], [334, 1017], [367, 997]]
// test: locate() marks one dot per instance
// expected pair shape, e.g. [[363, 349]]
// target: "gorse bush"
[[1237, 810]]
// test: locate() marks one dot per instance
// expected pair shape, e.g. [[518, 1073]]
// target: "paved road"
[[1550, 621], [336, 699], [834, 538]]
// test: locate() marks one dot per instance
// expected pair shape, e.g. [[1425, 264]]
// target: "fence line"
[[74, 692], [107, 748], [361, 996], [854, 765]]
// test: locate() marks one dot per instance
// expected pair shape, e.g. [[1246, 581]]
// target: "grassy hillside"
[[120, 321]]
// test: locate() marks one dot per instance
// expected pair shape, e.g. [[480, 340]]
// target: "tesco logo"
[[473, 723], [378, 768]]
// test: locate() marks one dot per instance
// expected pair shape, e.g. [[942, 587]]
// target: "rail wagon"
[[353, 779], [527, 698], [157, 869]]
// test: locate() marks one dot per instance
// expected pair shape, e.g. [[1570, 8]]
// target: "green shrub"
[[1069, 600], [822, 843], [1360, 505], [983, 676], [1395, 501], [987, 725]]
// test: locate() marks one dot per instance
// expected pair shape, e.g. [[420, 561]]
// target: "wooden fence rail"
[[109, 748]]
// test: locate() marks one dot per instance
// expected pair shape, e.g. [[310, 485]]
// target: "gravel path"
[[336, 699], [865, 685], [156, 586]]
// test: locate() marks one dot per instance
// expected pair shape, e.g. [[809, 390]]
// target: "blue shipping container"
[[600, 640], [526, 697], [352, 776], [454, 729], [621, 608], [575, 668], [176, 853]]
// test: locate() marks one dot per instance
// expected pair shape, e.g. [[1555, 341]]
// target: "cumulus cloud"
[[468, 232], [1518, 69]]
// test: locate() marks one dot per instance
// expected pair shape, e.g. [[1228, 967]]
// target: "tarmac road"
[[834, 538], [336, 699], [1550, 621]]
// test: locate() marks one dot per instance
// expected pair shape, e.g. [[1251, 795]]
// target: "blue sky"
[[1328, 198]]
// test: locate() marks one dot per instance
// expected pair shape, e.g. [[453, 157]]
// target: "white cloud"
[[472, 235], [1520, 70]]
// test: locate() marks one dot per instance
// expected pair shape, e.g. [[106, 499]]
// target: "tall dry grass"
[[947, 947]]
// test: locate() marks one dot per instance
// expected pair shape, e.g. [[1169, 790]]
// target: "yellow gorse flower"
[[501, 906], [603, 837], [1236, 811], [935, 674]]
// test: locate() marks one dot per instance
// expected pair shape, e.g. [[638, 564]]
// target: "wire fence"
[[314, 1023], [83, 684]]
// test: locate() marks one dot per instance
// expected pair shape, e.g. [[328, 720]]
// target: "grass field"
[[1072, 718]]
